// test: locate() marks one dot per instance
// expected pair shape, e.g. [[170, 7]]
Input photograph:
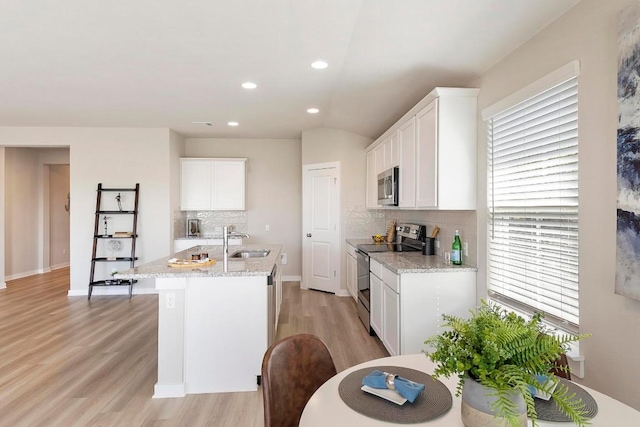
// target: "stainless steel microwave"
[[388, 187]]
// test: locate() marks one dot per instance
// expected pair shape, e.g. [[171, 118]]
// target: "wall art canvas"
[[628, 222]]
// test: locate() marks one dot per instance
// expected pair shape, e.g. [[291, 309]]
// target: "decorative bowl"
[[378, 238]]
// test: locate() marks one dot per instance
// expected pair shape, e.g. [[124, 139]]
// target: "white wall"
[[115, 157], [21, 231], [59, 217], [587, 33], [274, 190], [176, 150], [325, 145]]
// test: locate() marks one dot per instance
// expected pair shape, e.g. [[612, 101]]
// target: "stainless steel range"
[[409, 238]]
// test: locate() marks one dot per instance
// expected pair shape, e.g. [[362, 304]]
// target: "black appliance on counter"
[[408, 239]]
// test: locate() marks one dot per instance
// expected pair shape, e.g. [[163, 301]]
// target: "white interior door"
[[321, 227]]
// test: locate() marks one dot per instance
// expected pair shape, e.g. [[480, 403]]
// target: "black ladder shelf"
[[133, 235]]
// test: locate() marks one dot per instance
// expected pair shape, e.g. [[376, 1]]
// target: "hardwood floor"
[[67, 361]]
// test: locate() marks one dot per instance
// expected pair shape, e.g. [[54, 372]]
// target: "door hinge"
[[334, 273], [335, 181]]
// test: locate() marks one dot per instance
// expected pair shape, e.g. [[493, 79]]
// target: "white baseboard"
[[162, 391], [59, 266], [292, 278], [24, 274], [3, 285], [343, 293]]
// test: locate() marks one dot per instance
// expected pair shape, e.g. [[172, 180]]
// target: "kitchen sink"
[[256, 253]]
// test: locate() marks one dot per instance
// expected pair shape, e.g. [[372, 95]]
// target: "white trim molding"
[[562, 74], [163, 391]]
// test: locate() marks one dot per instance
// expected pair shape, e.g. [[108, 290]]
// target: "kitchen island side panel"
[[225, 333]]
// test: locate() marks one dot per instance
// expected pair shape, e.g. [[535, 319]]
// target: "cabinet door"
[[228, 189], [195, 184], [407, 145], [379, 153], [426, 156], [375, 303], [372, 181], [391, 152], [352, 276], [391, 320]]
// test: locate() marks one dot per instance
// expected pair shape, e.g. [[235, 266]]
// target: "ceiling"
[[168, 63]]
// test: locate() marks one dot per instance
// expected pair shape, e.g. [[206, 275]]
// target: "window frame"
[[535, 89]]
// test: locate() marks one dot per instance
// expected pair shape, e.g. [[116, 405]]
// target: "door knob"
[[308, 234]]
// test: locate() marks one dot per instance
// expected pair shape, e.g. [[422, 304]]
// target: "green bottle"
[[456, 250]]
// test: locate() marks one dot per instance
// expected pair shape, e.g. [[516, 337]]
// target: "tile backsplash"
[[362, 223], [211, 222]]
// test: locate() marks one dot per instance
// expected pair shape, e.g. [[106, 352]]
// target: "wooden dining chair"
[[292, 370]]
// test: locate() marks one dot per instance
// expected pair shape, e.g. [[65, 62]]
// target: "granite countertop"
[[211, 236], [412, 262], [415, 262], [236, 267]]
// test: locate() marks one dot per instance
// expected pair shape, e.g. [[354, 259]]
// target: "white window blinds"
[[533, 204]]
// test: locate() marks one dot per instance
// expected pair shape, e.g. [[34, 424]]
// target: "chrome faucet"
[[225, 241]]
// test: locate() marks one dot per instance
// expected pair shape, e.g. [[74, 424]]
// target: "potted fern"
[[504, 357]]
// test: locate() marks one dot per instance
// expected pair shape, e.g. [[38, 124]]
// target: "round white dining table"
[[326, 408]]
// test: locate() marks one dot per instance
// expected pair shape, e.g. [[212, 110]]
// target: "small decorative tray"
[[190, 263]]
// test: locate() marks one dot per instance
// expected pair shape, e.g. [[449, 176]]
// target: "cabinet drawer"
[[375, 267], [391, 279]]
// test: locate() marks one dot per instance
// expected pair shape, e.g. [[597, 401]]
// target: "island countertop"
[[236, 267]]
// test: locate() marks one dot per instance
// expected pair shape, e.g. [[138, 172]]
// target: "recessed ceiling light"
[[313, 111], [319, 65], [249, 85], [233, 123], [203, 123]]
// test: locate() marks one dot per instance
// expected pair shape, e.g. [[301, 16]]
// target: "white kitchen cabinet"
[[426, 169], [352, 272], [442, 173], [375, 302], [390, 152], [406, 309], [212, 184], [390, 320], [382, 158], [425, 297], [372, 181], [407, 175], [195, 184], [385, 306]]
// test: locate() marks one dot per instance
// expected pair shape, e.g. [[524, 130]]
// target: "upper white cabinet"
[[212, 184], [436, 149], [427, 157], [407, 175], [372, 181], [385, 156]]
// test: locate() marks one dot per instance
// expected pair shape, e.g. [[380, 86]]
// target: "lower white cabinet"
[[352, 272], [385, 306], [391, 320], [375, 303], [407, 309]]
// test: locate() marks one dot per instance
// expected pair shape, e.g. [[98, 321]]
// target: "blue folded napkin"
[[407, 388]]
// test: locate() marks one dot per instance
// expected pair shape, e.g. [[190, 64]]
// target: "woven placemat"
[[434, 401], [547, 410]]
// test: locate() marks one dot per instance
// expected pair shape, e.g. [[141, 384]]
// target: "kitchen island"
[[214, 323]]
